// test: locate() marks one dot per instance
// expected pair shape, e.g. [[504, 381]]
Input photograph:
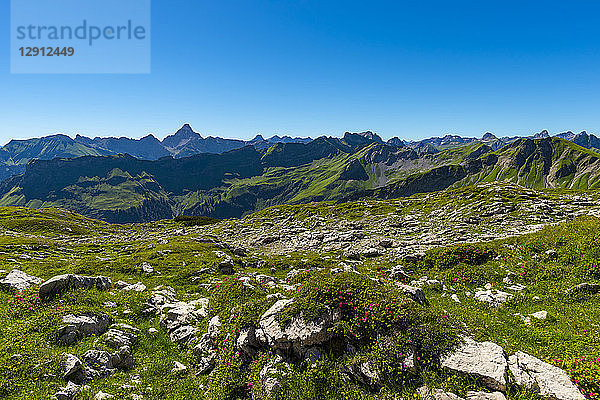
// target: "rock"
[[386, 243], [366, 373], [147, 269], [178, 368], [60, 283], [136, 287], [183, 334], [485, 396], [206, 364], [485, 360], [68, 392], [120, 284], [103, 396], [17, 280], [551, 253], [73, 369], [585, 288], [494, 298], [226, 263], [539, 315], [247, 342], [398, 272], [455, 298], [99, 360], [204, 346], [152, 330], [123, 359], [547, 380], [426, 393], [214, 327], [414, 293], [117, 338], [177, 314], [299, 333], [272, 373], [79, 326], [201, 306], [371, 252], [239, 251]]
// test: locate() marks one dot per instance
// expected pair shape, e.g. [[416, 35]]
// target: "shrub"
[[451, 256]]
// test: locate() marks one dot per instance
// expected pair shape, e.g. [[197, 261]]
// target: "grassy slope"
[[51, 241]]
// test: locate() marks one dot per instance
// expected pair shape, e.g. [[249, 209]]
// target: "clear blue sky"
[[307, 68]]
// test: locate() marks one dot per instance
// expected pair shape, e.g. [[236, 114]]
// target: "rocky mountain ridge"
[[125, 189], [186, 142]]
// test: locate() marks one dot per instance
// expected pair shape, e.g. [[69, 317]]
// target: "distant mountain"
[[126, 189], [541, 135], [146, 148], [183, 143]]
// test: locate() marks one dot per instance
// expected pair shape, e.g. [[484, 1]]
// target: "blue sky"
[[310, 68]]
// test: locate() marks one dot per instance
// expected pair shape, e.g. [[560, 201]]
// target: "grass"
[[377, 320]]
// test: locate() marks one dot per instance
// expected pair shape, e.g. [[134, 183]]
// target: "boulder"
[[17, 280], [117, 338], [60, 283], [426, 393], [485, 360], [247, 342], [298, 333], [68, 392], [79, 326], [272, 373], [103, 396], [494, 298], [73, 369], [147, 269], [183, 334], [585, 288], [214, 327], [414, 293], [485, 396], [547, 380], [136, 287]]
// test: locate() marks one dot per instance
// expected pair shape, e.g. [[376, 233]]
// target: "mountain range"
[[122, 188], [186, 142]]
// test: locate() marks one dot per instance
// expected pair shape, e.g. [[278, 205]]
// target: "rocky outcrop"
[[299, 333], [494, 298], [547, 380], [485, 360], [426, 393], [17, 281], [78, 326], [61, 283], [585, 288]]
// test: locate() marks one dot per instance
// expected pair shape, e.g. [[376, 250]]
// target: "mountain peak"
[[542, 135], [186, 131], [489, 136], [368, 135]]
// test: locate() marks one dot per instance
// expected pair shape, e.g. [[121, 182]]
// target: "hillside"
[[461, 294], [231, 184], [186, 142]]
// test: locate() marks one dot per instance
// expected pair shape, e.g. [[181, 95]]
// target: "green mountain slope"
[[123, 188]]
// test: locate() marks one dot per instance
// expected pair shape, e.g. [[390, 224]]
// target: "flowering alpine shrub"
[[468, 253], [584, 372], [23, 303]]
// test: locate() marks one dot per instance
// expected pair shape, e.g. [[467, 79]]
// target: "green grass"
[[377, 319]]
